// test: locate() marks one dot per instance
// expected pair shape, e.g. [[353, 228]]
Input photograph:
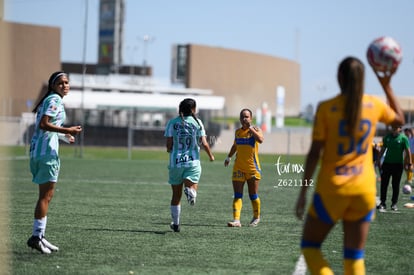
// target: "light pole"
[[85, 36], [131, 50], [146, 39]]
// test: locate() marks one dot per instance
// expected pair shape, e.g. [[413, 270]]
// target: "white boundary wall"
[[13, 129], [289, 141]]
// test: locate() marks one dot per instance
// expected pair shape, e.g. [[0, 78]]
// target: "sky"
[[317, 34]]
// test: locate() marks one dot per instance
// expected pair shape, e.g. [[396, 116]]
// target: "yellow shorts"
[[242, 176], [331, 207]]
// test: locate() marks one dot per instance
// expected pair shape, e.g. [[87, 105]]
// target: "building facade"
[[245, 79], [28, 54]]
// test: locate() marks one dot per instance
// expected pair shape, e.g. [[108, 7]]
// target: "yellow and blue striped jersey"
[[346, 166], [247, 158]]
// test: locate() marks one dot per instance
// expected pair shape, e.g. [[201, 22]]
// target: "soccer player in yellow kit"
[[246, 167], [343, 133], [409, 132]]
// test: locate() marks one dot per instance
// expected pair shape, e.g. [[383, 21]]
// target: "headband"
[[56, 77]]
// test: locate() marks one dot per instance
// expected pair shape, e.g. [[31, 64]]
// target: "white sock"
[[175, 213], [39, 227]]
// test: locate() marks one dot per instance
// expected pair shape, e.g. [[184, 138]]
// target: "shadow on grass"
[[197, 225], [128, 230], [160, 232]]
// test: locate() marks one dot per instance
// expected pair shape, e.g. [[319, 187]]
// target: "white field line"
[[100, 181], [300, 267]]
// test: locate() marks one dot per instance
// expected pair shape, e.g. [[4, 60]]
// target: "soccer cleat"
[[175, 227], [36, 243], [254, 222], [52, 247], [394, 207], [191, 195], [234, 224], [381, 207]]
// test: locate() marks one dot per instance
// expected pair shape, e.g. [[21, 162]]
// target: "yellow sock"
[[354, 267], [256, 208], [237, 206], [409, 175], [315, 261]]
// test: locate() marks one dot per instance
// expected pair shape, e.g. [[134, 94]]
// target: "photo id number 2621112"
[[293, 183]]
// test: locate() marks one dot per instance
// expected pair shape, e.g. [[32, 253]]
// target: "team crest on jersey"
[[53, 107]]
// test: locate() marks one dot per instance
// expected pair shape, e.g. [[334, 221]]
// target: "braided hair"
[[52, 80], [186, 108]]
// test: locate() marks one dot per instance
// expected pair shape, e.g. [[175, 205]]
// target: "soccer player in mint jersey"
[[44, 154], [184, 135], [342, 137]]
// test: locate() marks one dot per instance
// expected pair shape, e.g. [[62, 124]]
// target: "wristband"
[[228, 159], [63, 137]]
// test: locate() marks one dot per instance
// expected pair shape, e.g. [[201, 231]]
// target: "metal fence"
[[289, 141]]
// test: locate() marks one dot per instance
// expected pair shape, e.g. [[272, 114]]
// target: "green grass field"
[[111, 215]]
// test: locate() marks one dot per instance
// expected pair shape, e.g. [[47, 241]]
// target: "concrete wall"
[[293, 141], [12, 132], [286, 141], [28, 54]]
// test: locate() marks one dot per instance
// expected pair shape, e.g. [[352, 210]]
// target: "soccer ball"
[[384, 54], [406, 189]]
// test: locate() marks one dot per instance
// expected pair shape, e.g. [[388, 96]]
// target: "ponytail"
[[351, 81], [186, 108]]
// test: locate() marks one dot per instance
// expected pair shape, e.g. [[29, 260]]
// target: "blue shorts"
[[45, 169], [177, 175]]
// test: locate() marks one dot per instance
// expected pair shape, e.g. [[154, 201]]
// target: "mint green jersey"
[[186, 135], [46, 143]]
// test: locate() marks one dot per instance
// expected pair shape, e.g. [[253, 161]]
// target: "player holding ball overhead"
[[384, 54], [342, 137]]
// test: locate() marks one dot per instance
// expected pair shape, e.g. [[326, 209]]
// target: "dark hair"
[[243, 110], [52, 80], [186, 108], [411, 132], [351, 74]]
